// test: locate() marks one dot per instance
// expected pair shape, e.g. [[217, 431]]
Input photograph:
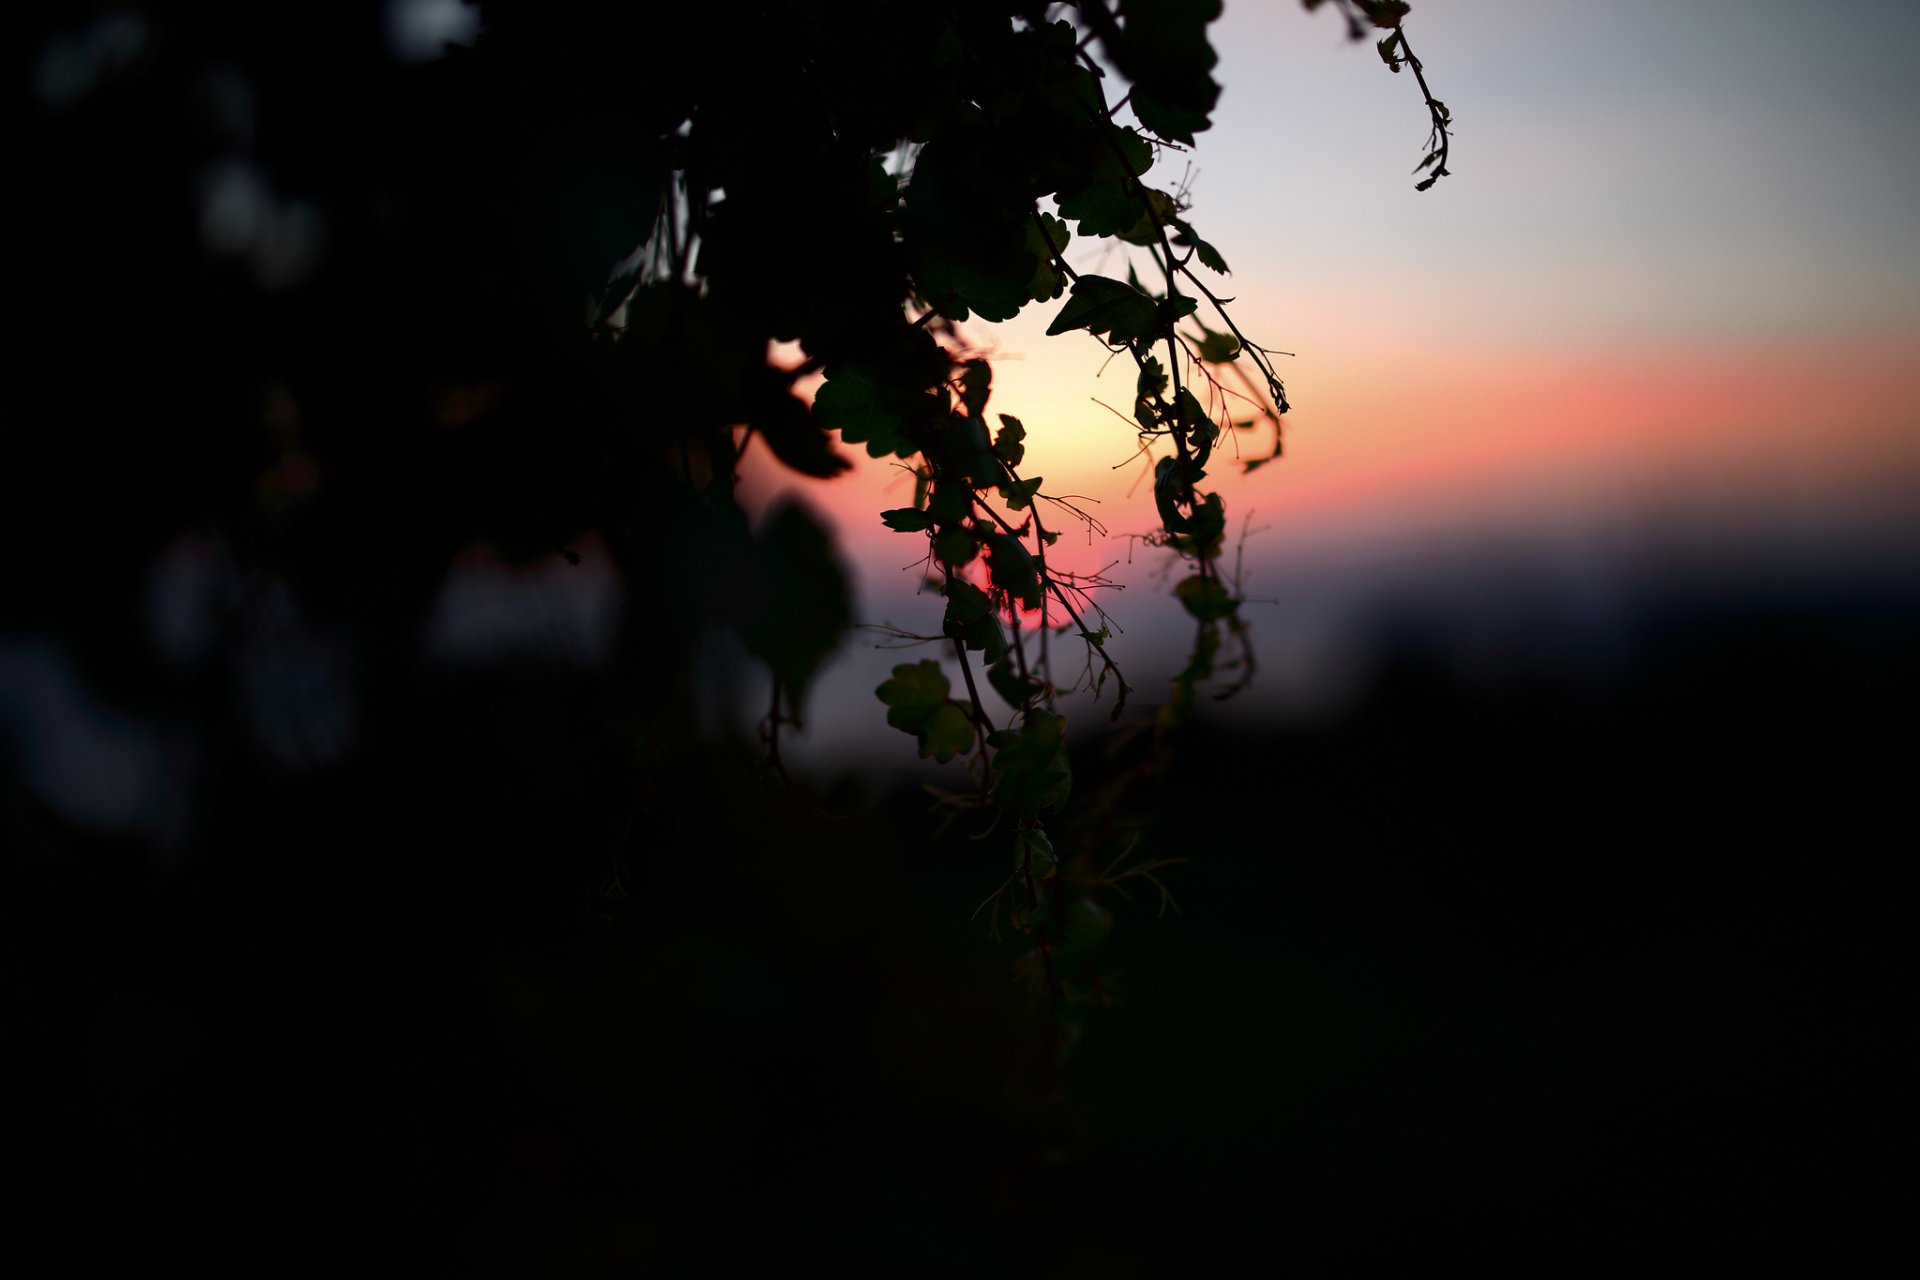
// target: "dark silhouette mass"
[[353, 924]]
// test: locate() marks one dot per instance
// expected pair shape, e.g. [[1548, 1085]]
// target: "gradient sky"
[[1674, 278]]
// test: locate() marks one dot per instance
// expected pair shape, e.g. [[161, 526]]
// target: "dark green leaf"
[[916, 691], [1103, 207], [969, 616], [1216, 348], [1031, 773], [906, 520], [1210, 257], [1153, 377], [1159, 211], [996, 646], [955, 546], [948, 732], [1007, 444], [1208, 525], [1019, 495], [967, 602], [1056, 234], [1172, 120], [795, 437], [1136, 150], [1044, 242], [1113, 307], [964, 451], [849, 402], [950, 503]]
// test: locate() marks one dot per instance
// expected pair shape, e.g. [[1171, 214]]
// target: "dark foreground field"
[[1560, 974]]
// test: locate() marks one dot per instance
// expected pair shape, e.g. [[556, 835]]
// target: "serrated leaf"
[[1145, 415], [1207, 525], [1215, 348], [1158, 211], [976, 383], [1173, 122], [916, 691], [1046, 237], [955, 546], [1056, 234], [950, 503], [1104, 207], [967, 602], [1210, 257], [1136, 151], [948, 732], [1153, 377], [1031, 773], [969, 617], [906, 520], [1113, 307], [1007, 444], [1019, 495], [849, 402], [1191, 412]]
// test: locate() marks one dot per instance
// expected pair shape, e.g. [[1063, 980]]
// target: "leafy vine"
[[960, 201]]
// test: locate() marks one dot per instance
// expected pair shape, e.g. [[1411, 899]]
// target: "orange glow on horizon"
[[1450, 437]]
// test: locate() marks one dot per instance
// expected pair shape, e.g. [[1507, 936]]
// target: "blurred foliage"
[[334, 306]]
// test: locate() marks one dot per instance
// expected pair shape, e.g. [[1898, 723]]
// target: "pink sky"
[[1675, 266]]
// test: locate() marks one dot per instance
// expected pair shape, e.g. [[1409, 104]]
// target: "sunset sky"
[[1671, 295]]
